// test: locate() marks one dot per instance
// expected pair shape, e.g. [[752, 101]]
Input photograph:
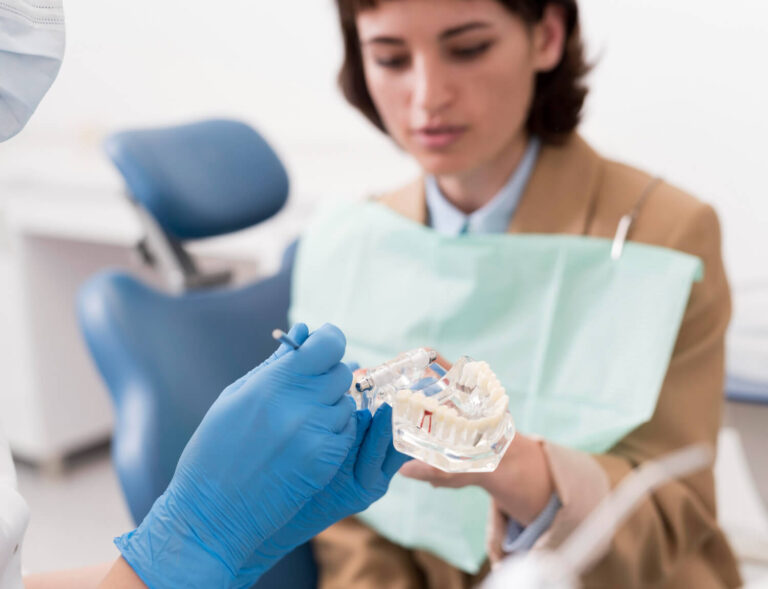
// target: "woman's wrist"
[[121, 576], [522, 485]]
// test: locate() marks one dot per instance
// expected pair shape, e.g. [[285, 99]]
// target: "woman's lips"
[[439, 137]]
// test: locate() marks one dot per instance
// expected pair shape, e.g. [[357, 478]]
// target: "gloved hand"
[[362, 479], [266, 446]]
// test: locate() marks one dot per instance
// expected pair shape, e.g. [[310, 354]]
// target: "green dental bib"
[[580, 341]]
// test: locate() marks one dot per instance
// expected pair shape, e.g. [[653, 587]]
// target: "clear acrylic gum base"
[[453, 418]]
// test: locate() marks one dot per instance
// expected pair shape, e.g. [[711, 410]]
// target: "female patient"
[[486, 96]]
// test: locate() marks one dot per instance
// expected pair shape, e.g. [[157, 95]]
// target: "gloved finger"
[[237, 385], [339, 415], [393, 462], [352, 365], [362, 422], [364, 419], [335, 385], [322, 350], [350, 431], [374, 449], [298, 333], [325, 389]]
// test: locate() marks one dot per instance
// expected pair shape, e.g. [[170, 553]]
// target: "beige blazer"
[[673, 540]]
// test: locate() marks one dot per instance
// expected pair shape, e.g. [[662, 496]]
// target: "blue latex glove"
[[362, 479], [269, 443]]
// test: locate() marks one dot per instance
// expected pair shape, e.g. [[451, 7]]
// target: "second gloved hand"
[[267, 445], [362, 479]]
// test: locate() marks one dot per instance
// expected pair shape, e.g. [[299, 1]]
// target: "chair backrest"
[[165, 359], [192, 181], [201, 179]]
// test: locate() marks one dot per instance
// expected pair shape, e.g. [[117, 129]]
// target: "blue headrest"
[[202, 179]]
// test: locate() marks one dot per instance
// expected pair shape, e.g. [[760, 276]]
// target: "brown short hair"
[[559, 94]]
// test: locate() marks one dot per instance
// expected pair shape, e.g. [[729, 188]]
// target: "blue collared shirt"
[[494, 217], [521, 539]]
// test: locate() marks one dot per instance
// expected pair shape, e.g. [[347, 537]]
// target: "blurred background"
[[676, 90]]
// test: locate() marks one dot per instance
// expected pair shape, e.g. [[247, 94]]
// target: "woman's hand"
[[421, 471], [521, 485]]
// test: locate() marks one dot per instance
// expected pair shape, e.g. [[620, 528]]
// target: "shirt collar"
[[496, 214]]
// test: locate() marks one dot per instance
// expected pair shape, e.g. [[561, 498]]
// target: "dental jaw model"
[[454, 419]]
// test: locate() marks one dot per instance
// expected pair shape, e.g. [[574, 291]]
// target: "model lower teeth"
[[457, 420]]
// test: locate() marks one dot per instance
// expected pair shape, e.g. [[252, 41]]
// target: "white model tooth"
[[448, 417], [417, 402], [401, 405], [476, 430], [412, 408], [456, 431], [443, 423], [438, 423], [501, 405], [464, 376], [426, 416], [420, 401], [483, 379], [490, 384], [469, 375], [464, 431], [497, 392], [495, 420], [453, 426], [417, 408], [444, 417]]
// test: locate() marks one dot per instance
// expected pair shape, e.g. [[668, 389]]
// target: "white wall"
[[679, 89], [144, 63]]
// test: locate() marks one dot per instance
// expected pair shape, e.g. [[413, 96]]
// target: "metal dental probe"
[[283, 337]]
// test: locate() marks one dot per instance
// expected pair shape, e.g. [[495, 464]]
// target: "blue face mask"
[[31, 50]]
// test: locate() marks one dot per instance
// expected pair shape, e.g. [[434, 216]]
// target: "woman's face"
[[453, 80]]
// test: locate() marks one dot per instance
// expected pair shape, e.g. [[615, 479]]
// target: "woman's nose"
[[432, 87]]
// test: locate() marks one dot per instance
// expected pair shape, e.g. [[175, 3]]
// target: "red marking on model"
[[423, 417]]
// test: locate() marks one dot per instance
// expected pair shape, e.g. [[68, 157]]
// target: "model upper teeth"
[[484, 401]]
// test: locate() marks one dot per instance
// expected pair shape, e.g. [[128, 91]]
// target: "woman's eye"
[[392, 62], [471, 52]]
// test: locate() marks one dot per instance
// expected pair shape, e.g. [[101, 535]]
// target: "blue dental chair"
[[166, 356]]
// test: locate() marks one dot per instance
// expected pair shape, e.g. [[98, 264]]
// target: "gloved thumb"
[[374, 450], [363, 418], [322, 351], [298, 333]]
